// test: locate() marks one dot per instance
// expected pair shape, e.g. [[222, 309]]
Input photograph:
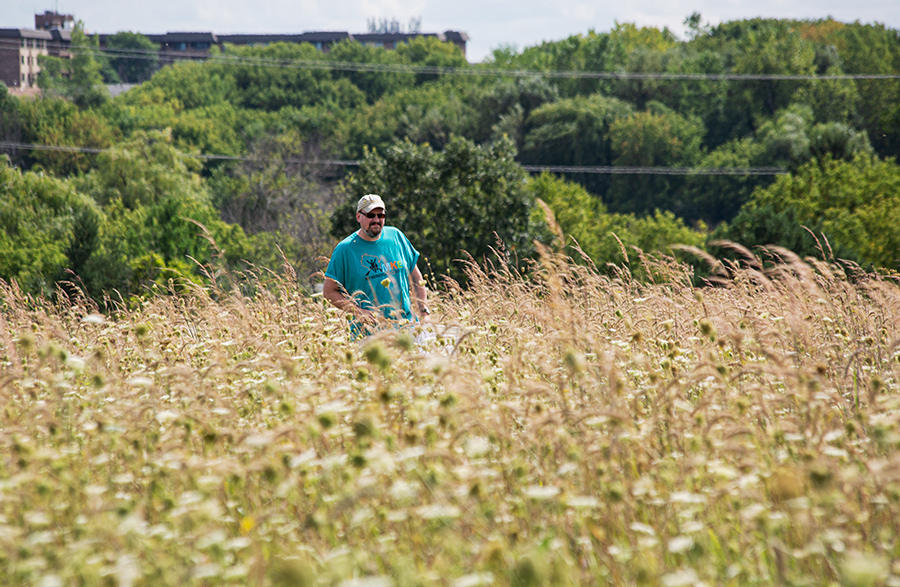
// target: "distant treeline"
[[757, 131]]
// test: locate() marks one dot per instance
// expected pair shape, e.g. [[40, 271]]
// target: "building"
[[390, 40], [59, 46], [20, 48], [196, 45], [176, 46], [53, 20], [323, 41], [19, 52]]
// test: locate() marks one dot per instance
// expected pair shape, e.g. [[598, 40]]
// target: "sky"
[[489, 24]]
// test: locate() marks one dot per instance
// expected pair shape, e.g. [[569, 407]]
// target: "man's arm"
[[419, 293], [334, 292]]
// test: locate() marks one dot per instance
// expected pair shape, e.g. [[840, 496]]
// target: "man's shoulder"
[[347, 241], [393, 232]]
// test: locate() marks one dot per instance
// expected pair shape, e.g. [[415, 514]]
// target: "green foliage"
[[851, 204], [10, 124], [644, 50], [212, 130], [708, 98], [575, 131], [423, 114], [501, 108], [158, 219], [184, 85], [790, 139], [717, 198], [85, 238], [79, 79], [657, 232], [654, 138], [576, 212], [375, 84], [39, 216], [272, 193], [212, 125], [873, 49], [275, 76], [602, 235], [242, 101], [142, 171], [133, 56], [769, 47], [57, 122], [430, 52], [450, 204]]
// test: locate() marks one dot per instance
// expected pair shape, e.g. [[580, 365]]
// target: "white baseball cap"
[[369, 202]]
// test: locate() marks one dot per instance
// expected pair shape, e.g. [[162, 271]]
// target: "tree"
[[600, 234], [575, 131], [790, 139], [143, 170], [423, 114], [133, 56], [855, 205], [874, 49], [10, 125], [578, 214], [276, 76], [185, 85], [430, 52], [658, 137], [60, 123], [154, 204], [715, 198], [79, 79], [502, 108], [644, 50], [453, 203], [375, 84], [272, 192], [38, 214]]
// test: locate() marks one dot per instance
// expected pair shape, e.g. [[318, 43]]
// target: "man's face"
[[371, 222]]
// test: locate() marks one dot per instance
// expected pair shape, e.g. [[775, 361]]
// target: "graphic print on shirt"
[[378, 268], [374, 266]]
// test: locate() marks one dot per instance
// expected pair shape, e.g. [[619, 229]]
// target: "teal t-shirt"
[[376, 273]]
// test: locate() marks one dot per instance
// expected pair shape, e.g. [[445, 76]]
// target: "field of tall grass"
[[567, 427]]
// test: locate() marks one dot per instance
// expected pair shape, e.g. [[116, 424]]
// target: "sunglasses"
[[374, 215]]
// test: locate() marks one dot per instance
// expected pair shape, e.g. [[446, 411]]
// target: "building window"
[[200, 46]]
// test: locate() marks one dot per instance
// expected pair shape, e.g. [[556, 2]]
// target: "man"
[[373, 271]]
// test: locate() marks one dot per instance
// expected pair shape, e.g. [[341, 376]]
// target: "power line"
[[474, 70], [609, 170], [624, 170], [205, 157]]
